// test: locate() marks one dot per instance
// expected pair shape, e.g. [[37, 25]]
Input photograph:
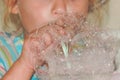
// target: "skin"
[[33, 13]]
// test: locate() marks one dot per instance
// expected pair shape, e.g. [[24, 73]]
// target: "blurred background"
[[114, 14]]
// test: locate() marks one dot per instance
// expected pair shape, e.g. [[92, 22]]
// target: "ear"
[[12, 6], [14, 9]]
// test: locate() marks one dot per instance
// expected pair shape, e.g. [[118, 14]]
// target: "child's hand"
[[37, 43]]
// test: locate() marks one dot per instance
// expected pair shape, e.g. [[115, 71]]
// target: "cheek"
[[33, 16], [35, 13], [80, 7]]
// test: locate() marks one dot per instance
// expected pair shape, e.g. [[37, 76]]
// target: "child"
[[31, 15]]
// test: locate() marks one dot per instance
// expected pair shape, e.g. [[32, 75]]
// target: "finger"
[[47, 38]]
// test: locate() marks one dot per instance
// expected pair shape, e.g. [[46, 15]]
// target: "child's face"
[[36, 12]]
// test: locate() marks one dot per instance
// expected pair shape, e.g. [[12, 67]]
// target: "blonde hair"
[[11, 22], [98, 12]]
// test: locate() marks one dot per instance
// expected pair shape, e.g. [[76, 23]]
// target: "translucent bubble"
[[84, 52]]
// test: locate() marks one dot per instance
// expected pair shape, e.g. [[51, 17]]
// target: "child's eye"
[[44, 0], [74, 0]]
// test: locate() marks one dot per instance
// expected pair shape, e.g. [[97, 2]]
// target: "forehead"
[[13, 1]]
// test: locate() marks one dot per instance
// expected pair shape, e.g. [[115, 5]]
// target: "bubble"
[[84, 52]]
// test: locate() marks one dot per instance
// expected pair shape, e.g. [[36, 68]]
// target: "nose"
[[59, 7]]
